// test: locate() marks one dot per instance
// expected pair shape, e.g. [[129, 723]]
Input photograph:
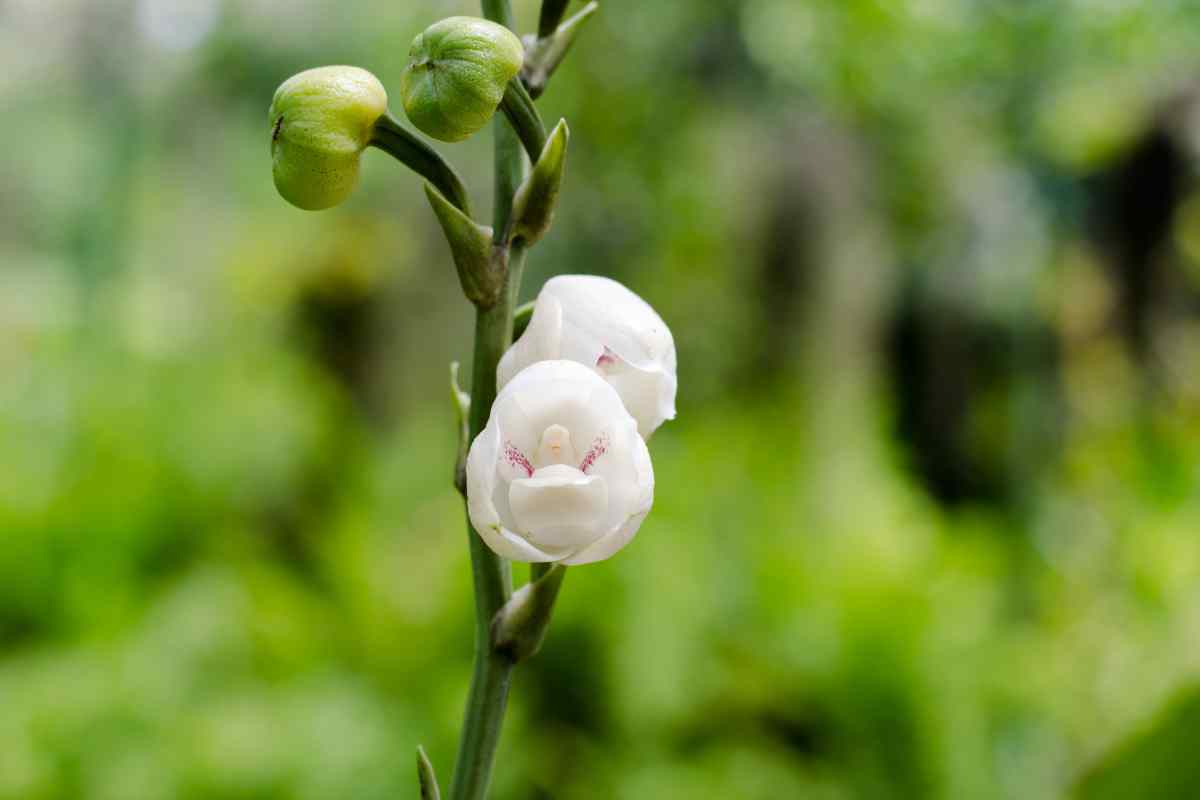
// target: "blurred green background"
[[926, 526]]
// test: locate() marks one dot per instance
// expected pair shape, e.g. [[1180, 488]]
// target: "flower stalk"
[[492, 575], [413, 152], [518, 106], [551, 14], [491, 677]]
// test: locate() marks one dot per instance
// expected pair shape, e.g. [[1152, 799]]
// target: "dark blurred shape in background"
[[926, 525]]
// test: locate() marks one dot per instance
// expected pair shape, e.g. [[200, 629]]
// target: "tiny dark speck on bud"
[[276, 129]]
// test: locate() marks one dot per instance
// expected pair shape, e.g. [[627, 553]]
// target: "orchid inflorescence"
[[552, 459]]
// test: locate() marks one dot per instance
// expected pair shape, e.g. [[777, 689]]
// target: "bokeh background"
[[926, 526]]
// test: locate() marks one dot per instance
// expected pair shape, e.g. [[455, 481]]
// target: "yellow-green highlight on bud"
[[533, 205], [321, 120], [456, 75]]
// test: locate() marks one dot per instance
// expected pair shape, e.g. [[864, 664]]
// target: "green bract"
[[456, 74], [321, 120]]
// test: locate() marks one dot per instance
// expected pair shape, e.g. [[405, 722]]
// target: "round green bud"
[[456, 75], [321, 120]]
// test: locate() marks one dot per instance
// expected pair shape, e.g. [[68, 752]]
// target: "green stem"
[[518, 106], [511, 167], [552, 14], [486, 704], [412, 151], [499, 11], [492, 674], [490, 680]]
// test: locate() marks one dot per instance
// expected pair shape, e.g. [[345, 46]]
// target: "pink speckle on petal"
[[607, 358], [516, 458], [598, 448]]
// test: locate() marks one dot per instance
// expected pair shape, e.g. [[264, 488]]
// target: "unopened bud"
[[456, 75], [321, 120]]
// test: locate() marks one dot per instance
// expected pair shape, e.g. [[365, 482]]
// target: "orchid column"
[[555, 469]]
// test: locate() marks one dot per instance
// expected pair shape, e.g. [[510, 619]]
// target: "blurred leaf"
[[1159, 762]]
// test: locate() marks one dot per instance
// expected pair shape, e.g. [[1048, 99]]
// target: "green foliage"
[[1159, 762]]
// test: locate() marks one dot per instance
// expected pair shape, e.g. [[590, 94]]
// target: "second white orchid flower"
[[560, 473], [601, 324]]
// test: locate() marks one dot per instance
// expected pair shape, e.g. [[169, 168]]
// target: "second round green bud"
[[456, 75]]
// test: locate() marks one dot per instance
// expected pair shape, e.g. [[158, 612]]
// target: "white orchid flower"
[[560, 473], [601, 324]]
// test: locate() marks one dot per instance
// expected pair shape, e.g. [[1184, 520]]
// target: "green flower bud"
[[321, 120], [456, 74]]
